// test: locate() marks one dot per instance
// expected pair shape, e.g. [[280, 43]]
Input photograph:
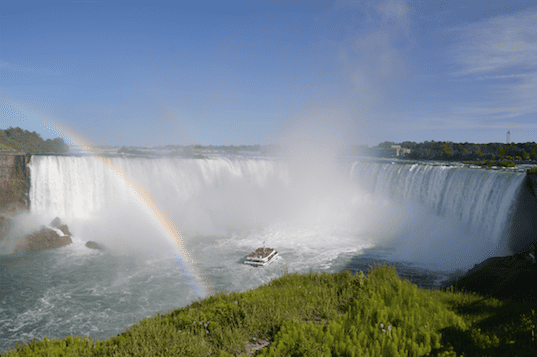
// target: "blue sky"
[[253, 72]]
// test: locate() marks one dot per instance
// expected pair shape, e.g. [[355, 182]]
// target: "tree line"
[[227, 148], [450, 151], [30, 142]]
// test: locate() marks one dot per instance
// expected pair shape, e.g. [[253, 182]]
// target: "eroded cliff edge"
[[15, 199], [14, 182]]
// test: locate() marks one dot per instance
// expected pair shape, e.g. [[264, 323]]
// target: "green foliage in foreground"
[[390, 318], [322, 315]]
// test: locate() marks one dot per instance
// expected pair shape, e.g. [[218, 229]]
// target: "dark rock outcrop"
[[56, 222], [506, 278], [64, 229], [46, 238], [94, 245]]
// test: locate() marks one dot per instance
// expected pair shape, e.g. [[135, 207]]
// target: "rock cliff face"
[[523, 221], [14, 197], [14, 188], [14, 182], [5, 227]]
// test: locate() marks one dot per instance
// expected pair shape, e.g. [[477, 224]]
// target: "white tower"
[[508, 136]]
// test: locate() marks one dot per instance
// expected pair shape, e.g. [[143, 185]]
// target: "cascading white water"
[[80, 187], [251, 200], [473, 205], [442, 211]]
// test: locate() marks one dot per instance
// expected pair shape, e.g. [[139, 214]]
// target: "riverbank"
[[313, 314]]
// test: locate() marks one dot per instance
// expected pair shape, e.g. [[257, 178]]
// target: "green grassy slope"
[[322, 315]]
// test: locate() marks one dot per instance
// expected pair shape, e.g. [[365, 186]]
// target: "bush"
[[390, 318]]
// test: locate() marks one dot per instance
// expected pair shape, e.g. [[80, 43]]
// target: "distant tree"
[[24, 140], [473, 152], [386, 144], [408, 144]]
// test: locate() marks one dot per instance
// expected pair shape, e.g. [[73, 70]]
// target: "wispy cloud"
[[501, 43], [506, 76], [373, 58], [372, 55], [502, 51], [397, 12]]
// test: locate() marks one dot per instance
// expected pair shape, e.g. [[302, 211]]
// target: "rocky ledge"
[[44, 238], [505, 278], [94, 245]]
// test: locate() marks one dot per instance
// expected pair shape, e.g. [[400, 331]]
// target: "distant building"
[[508, 136], [384, 151], [399, 150]]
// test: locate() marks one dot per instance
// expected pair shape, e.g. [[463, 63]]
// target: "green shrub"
[[69, 346], [390, 318]]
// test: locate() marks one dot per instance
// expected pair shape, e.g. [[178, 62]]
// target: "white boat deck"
[[261, 257]]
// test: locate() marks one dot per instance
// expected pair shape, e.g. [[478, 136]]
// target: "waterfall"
[[204, 195], [436, 212], [474, 206]]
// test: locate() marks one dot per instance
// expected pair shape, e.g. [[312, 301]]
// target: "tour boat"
[[261, 257]]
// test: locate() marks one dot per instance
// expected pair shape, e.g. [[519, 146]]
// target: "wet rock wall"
[[14, 181]]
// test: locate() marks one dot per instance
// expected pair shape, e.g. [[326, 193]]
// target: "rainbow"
[[198, 279]]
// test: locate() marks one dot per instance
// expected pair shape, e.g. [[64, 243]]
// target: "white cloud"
[[395, 10], [371, 57], [503, 51], [501, 43], [376, 50]]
